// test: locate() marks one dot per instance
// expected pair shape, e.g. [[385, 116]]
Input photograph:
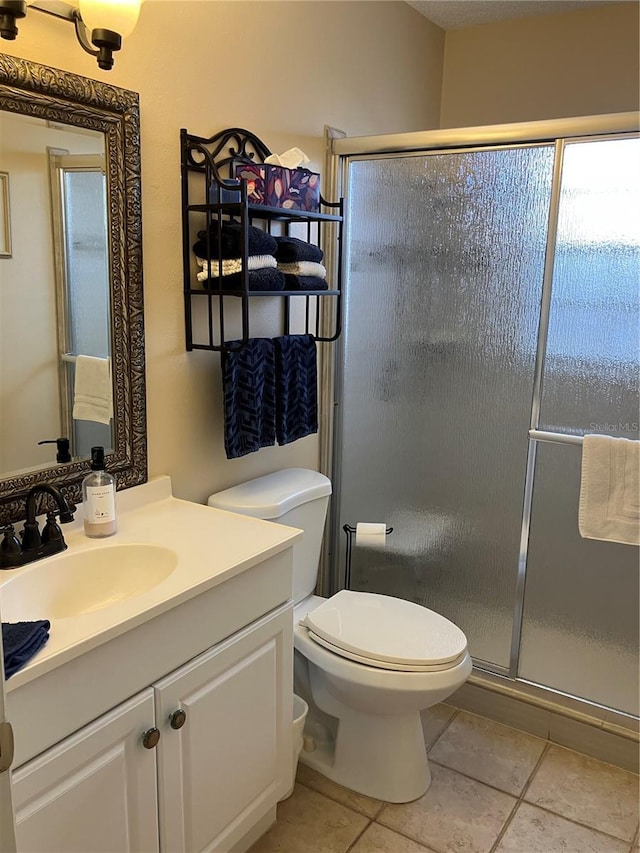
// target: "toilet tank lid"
[[274, 494]]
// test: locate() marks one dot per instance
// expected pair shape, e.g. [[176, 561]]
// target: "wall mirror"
[[71, 284]]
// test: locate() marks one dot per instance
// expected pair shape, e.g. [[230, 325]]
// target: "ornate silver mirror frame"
[[37, 90]]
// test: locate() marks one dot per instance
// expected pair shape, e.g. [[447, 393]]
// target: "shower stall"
[[491, 320]]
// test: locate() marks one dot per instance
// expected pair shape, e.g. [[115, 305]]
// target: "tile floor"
[[494, 790]]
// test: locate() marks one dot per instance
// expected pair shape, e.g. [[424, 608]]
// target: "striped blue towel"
[[296, 387], [249, 386]]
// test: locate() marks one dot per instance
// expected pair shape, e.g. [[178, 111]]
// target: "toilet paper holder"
[[350, 533]]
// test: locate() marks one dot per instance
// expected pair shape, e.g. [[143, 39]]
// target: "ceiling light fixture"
[[100, 24]]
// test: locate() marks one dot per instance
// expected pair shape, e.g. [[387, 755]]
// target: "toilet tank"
[[297, 497]]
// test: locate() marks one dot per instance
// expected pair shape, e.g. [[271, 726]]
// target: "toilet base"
[[383, 757]]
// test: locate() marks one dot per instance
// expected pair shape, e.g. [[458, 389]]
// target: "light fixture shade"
[[119, 16]]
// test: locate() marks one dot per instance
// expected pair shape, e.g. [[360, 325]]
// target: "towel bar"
[[555, 437]]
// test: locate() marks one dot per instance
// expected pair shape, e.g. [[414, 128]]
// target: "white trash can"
[[300, 710]]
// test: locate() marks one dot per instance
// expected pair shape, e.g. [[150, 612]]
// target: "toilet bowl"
[[366, 664], [378, 747]]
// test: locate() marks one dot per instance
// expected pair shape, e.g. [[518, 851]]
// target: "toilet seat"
[[385, 632], [381, 664]]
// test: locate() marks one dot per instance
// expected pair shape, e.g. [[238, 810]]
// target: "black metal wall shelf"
[[210, 311], [256, 294], [261, 211]]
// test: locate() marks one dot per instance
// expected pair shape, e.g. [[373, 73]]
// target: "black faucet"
[[36, 545]]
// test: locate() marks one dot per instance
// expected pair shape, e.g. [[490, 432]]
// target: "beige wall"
[[282, 70], [554, 66], [28, 343]]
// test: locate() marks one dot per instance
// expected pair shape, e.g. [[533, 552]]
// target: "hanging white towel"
[[610, 490], [93, 394]]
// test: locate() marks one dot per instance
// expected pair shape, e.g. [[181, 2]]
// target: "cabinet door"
[[95, 792], [227, 766], [7, 827]]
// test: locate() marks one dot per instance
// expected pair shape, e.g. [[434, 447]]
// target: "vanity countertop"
[[210, 546]]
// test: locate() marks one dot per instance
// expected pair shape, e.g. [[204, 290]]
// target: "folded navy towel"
[[266, 278], [20, 641], [304, 282], [229, 244], [291, 249], [249, 386], [296, 387]]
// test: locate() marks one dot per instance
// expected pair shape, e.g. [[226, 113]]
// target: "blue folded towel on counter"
[[20, 641], [249, 387], [296, 387]]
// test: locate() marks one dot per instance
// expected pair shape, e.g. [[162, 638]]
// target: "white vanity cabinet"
[[222, 761], [94, 791], [204, 655], [230, 762]]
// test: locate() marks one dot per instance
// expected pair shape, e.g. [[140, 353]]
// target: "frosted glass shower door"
[[580, 630], [445, 262]]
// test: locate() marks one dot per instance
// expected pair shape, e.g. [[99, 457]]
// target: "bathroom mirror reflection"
[[57, 282], [72, 288]]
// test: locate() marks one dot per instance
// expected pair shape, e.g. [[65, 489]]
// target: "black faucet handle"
[[10, 548], [10, 543], [51, 531], [67, 515]]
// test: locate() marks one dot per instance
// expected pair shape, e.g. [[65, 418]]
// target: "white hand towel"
[[231, 266], [610, 490], [93, 394]]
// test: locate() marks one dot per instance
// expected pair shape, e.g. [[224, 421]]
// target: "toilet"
[[366, 664]]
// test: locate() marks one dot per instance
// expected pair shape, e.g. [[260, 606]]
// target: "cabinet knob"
[[178, 719], [150, 738]]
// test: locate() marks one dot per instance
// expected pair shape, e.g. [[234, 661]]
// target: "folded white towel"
[[93, 391], [230, 266], [610, 490], [304, 268]]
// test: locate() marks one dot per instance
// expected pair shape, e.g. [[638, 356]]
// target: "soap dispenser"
[[99, 498]]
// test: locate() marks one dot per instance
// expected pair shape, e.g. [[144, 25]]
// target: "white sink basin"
[[77, 583]]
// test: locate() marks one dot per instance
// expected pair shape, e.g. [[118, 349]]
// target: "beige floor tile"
[[489, 752], [379, 839], [358, 802], [588, 791], [434, 722], [536, 831], [455, 814], [310, 823]]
